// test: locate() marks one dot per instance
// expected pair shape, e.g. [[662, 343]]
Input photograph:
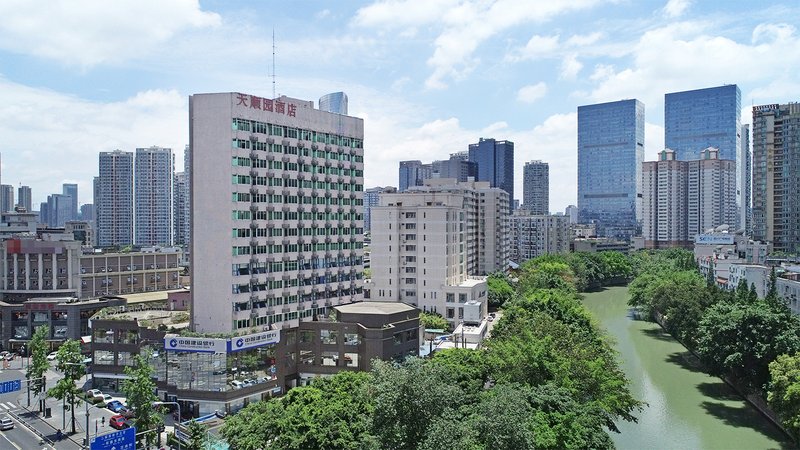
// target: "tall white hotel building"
[[277, 206]]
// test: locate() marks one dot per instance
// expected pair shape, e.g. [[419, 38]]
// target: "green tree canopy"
[[140, 391], [433, 321], [784, 391], [69, 361], [38, 363]]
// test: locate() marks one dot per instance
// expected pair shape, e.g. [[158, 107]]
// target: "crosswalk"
[[7, 406]]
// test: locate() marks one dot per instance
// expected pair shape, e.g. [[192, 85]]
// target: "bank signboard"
[[173, 343], [714, 239], [253, 340]]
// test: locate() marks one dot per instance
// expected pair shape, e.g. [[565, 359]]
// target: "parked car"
[[94, 394], [52, 356], [236, 384], [9, 356], [248, 382], [118, 422], [107, 398], [116, 406], [6, 423]]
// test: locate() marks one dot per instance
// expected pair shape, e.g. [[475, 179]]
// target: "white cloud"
[[570, 66], [675, 8], [681, 56], [50, 138], [90, 32], [462, 26], [532, 92], [539, 47]]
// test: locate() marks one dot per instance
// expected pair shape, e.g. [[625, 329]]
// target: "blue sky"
[[429, 77]]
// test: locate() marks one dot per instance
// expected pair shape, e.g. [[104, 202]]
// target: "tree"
[[772, 296], [742, 339], [70, 363], [408, 398], [38, 363], [433, 321], [140, 391], [196, 433], [500, 290], [332, 413], [784, 391]]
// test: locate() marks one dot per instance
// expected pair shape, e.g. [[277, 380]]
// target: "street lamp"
[[179, 419]]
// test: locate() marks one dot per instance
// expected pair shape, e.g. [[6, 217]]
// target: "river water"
[[687, 409]]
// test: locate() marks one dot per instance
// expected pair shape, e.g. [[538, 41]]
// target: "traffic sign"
[[10, 386], [117, 440]]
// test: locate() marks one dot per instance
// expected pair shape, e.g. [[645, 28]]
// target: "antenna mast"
[[273, 63]]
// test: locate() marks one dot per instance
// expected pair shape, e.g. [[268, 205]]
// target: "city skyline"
[[412, 79]]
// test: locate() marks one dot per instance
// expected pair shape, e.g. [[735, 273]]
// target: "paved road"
[[17, 404]]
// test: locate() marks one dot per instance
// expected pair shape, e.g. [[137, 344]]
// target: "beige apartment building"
[[277, 211], [681, 199], [534, 235], [430, 242]]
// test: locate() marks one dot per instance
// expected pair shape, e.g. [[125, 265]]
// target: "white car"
[[6, 423], [52, 356], [94, 394], [236, 384]]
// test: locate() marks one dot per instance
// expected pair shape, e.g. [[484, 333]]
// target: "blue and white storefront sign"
[[173, 343], [253, 340], [714, 239]]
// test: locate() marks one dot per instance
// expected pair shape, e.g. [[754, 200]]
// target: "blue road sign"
[[10, 386], [117, 440]]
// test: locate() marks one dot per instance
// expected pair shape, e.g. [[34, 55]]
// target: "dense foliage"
[[500, 289], [433, 321], [736, 334], [547, 378], [140, 392]]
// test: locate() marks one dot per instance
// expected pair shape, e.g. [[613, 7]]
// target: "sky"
[[78, 77]]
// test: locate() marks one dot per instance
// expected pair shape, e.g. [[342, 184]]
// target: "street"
[[32, 430]]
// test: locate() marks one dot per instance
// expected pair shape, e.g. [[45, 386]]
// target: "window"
[[328, 336], [306, 337], [104, 357], [352, 339], [462, 298], [451, 313], [451, 298]]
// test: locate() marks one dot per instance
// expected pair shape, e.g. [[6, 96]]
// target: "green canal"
[[686, 408]]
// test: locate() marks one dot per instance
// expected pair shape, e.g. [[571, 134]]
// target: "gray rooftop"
[[374, 308]]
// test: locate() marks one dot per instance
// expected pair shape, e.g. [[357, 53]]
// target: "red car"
[[119, 422]]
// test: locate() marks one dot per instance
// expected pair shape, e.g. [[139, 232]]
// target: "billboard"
[[714, 239], [174, 343], [254, 340], [116, 440]]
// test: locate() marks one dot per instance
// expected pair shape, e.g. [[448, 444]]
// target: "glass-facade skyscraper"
[[710, 117], [495, 161], [610, 155], [702, 118], [335, 102]]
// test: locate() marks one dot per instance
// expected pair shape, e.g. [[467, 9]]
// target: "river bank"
[[687, 408]]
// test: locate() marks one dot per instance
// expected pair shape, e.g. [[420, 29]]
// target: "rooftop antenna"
[[273, 63]]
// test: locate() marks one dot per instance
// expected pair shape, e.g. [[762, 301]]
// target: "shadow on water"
[[658, 333], [719, 391], [686, 360], [742, 417]]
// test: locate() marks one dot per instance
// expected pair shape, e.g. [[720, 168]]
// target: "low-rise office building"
[[209, 374]]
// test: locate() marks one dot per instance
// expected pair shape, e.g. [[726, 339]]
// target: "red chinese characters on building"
[[265, 104]]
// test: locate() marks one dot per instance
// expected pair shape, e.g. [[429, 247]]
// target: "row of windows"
[[305, 264], [293, 248], [280, 232], [294, 282], [294, 215], [295, 133]]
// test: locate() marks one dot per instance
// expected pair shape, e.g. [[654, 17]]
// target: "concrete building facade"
[[681, 199], [776, 175], [153, 196], [534, 235], [290, 243], [536, 187], [114, 199]]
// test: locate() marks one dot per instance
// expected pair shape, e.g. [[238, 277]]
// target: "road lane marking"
[[10, 442]]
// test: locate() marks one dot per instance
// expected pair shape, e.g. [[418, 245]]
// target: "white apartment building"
[[681, 199], [533, 235], [276, 193], [426, 241]]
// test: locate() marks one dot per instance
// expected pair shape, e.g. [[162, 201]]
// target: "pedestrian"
[[59, 435]]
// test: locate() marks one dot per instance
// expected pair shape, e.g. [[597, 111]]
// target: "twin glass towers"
[[611, 150]]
